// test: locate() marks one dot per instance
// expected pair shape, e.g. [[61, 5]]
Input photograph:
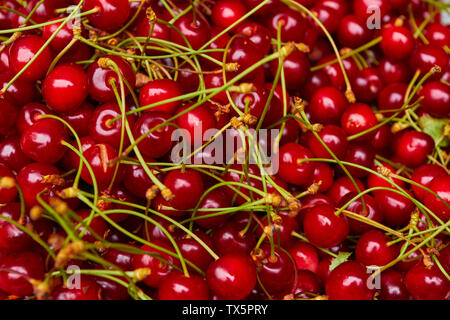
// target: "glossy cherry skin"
[[256, 33], [137, 181], [159, 31], [99, 156], [21, 91], [334, 138], [179, 287], [310, 201], [226, 12], [374, 181], [111, 14], [342, 186], [79, 118], [228, 239], [89, 290], [245, 53], [349, 282], [358, 118], [296, 67], [425, 57], [111, 290], [424, 175], [362, 7], [328, 16], [397, 42], [268, 8], [215, 199], [441, 186], [159, 91], [196, 122], [393, 71], [392, 98], [436, 99], [323, 175], [292, 25], [438, 34], [194, 252], [232, 277], [367, 84], [23, 50], [9, 114], [305, 256], [290, 170], [426, 283], [372, 249], [324, 228], [29, 115], [11, 237], [71, 159], [413, 148], [392, 286], [334, 71], [353, 32], [196, 31], [255, 101], [315, 80], [62, 38], [395, 207], [12, 155], [360, 154], [184, 183], [327, 105], [7, 194], [65, 88], [25, 265], [282, 230], [97, 227], [99, 79], [42, 141]]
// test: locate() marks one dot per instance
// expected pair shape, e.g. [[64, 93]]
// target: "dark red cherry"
[[42, 141], [159, 141], [194, 252], [413, 148], [394, 71], [373, 249], [159, 203], [296, 69], [327, 105], [21, 91], [195, 30], [88, 290], [436, 99], [374, 181], [23, 50], [111, 290], [29, 115], [216, 199], [99, 157], [245, 53], [360, 154], [424, 175], [291, 169], [7, 194], [397, 42], [444, 258], [367, 84], [228, 239], [342, 186], [97, 226], [353, 32], [17, 269], [158, 31], [310, 201], [196, 122], [323, 175], [256, 33], [182, 183], [315, 80], [111, 14], [357, 118], [365, 8], [254, 101], [307, 283], [281, 230], [219, 43], [159, 91], [13, 238], [212, 81], [324, 228], [232, 276], [392, 286], [349, 281], [426, 57], [152, 232], [179, 287], [334, 71], [392, 98], [441, 186], [395, 207], [226, 12], [328, 16], [62, 38], [291, 22], [9, 114], [369, 210], [103, 130], [79, 118], [65, 87], [44, 10], [71, 159], [426, 283], [137, 181], [305, 256], [12, 155], [382, 138], [99, 79], [121, 259], [334, 138], [438, 34], [269, 7]]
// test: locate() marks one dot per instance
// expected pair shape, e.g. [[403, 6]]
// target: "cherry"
[[441, 186], [29, 115], [257, 34], [182, 183], [307, 283], [444, 258], [228, 239], [159, 91], [196, 122], [360, 154], [281, 230], [111, 290], [153, 233], [65, 88], [119, 258], [374, 181], [328, 16], [194, 252], [291, 169], [310, 201], [159, 268], [342, 186], [315, 80], [99, 157], [232, 276], [296, 68], [349, 281], [369, 210], [177, 286], [413, 147], [21, 267], [373, 249], [99, 79], [358, 118], [7, 194], [269, 7], [137, 181], [327, 105], [341, 6], [392, 98], [323, 175], [333, 137], [195, 30], [438, 34], [334, 71], [291, 23], [4, 59], [71, 159], [436, 99], [424, 175], [426, 57], [382, 138], [44, 12], [79, 118], [219, 43], [215, 199], [353, 32], [111, 14], [12, 155], [323, 271], [62, 38], [397, 42], [324, 228], [392, 286], [276, 271], [243, 52], [305, 256], [88, 290], [158, 31], [365, 8], [226, 12], [393, 71], [21, 91], [367, 84], [212, 81], [426, 283], [42, 141], [9, 114], [395, 207], [13, 238], [23, 50], [254, 102]]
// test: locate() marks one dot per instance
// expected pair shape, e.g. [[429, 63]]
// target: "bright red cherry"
[[228, 239], [29, 115], [392, 286], [441, 186], [296, 67], [21, 91], [256, 33], [158, 31], [316, 80], [182, 183], [305, 256], [226, 12], [334, 71], [358, 118], [62, 38], [13, 238], [137, 181], [323, 175], [397, 42], [372, 249], [195, 30], [196, 122], [179, 287], [194, 252], [334, 138], [97, 226], [12, 155], [327, 105], [328, 16], [426, 57], [360, 154], [438, 34], [365, 8], [342, 186], [245, 53], [413, 148], [232, 276], [424, 175], [426, 283], [353, 32], [111, 14], [99, 157], [158, 91], [436, 99], [292, 168], [392, 98], [65, 88], [367, 84], [395, 207], [215, 199], [291, 22]]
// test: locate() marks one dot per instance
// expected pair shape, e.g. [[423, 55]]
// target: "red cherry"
[[353, 32], [99, 157], [12, 155], [365, 8], [257, 34], [88, 290], [158, 91], [179, 287], [229, 239], [349, 281], [232, 276], [212, 81], [424, 175], [137, 181], [333, 137], [324, 228], [196, 122], [65, 88], [21, 91], [413, 148], [307, 283], [310, 201], [292, 25], [79, 119], [8, 114], [372, 249], [328, 16], [158, 31], [23, 50], [323, 175], [342, 186], [290, 169], [111, 290], [42, 141], [12, 238], [327, 105], [397, 42], [196, 31], [62, 38], [226, 12], [358, 118], [441, 186], [44, 11], [360, 154], [305, 256], [97, 225], [182, 183], [215, 199], [436, 99], [394, 71], [392, 98], [315, 80], [194, 252], [383, 137], [438, 34], [392, 286], [282, 230], [270, 6], [7, 194], [29, 115], [376, 181], [243, 52], [395, 207], [367, 84], [426, 283], [296, 67], [111, 14], [426, 57], [71, 159], [334, 71]]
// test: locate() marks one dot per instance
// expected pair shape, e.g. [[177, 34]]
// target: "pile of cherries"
[[94, 206]]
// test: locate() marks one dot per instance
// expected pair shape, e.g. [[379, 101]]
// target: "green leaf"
[[435, 128], [341, 258]]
